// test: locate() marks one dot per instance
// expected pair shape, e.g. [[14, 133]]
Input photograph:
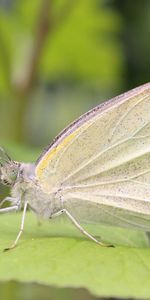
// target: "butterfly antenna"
[[4, 157]]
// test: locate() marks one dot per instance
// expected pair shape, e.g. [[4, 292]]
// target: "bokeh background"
[[58, 59]]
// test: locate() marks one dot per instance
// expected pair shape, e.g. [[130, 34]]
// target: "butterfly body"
[[44, 204]]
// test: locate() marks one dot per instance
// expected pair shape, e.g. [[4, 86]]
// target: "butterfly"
[[97, 170]]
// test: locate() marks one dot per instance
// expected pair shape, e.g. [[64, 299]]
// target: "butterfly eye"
[[13, 175], [5, 182]]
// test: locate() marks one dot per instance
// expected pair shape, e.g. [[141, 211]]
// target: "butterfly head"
[[9, 169]]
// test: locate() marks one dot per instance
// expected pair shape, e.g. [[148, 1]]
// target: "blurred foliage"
[[135, 33], [16, 290], [51, 47], [60, 58], [81, 42], [84, 48]]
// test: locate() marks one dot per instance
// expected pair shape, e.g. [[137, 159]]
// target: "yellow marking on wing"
[[48, 156]]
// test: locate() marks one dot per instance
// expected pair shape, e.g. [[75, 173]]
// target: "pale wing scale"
[[94, 138], [125, 126], [128, 204], [114, 165], [127, 195], [94, 212], [105, 163], [100, 139]]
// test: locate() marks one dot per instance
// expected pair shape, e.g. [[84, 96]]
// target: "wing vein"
[[126, 221], [125, 115], [102, 152], [105, 151]]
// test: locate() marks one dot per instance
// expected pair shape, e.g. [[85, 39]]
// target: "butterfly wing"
[[101, 162]]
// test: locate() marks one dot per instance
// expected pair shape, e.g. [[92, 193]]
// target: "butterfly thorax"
[[28, 188], [24, 177]]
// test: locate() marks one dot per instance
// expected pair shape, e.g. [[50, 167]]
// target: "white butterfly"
[[96, 170]]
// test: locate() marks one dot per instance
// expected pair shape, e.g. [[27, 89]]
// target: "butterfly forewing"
[[104, 162]]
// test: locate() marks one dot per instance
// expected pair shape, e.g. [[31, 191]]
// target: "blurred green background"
[[58, 59]]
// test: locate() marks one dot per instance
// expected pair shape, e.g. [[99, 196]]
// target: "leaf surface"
[[56, 254]]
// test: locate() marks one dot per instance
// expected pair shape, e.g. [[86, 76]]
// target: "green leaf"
[[55, 253]]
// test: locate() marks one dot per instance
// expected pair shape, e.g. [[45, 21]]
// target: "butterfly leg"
[[9, 199], [16, 205], [8, 209], [21, 228], [74, 221]]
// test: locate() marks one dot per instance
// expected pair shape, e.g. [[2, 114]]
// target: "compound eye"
[[5, 182], [13, 175]]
